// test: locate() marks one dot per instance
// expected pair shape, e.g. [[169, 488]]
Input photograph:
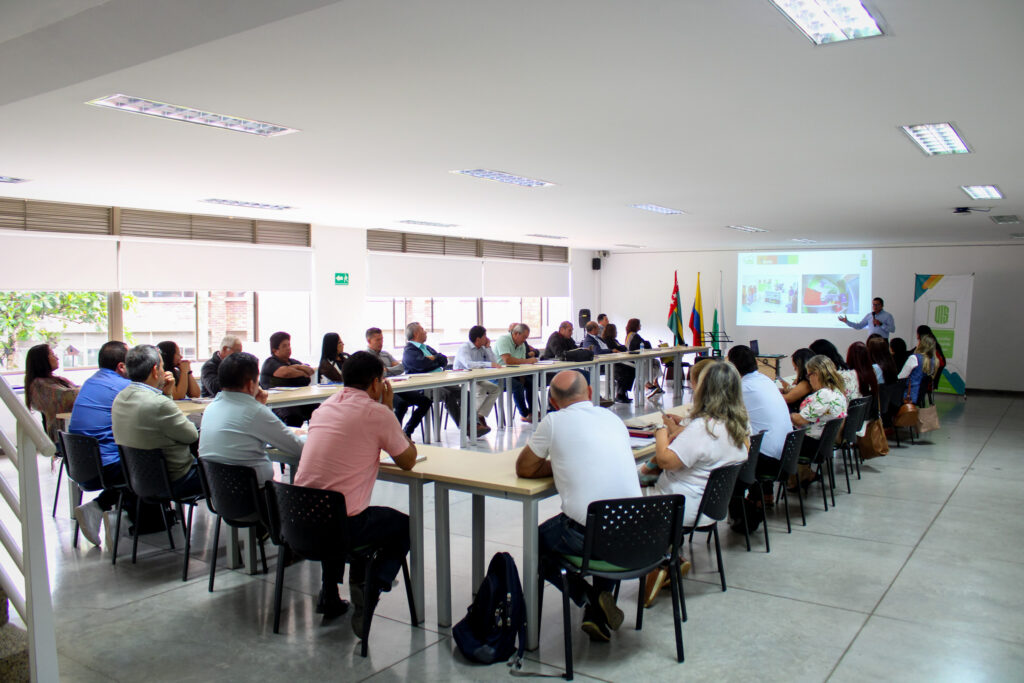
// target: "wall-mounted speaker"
[[595, 263], [584, 317]]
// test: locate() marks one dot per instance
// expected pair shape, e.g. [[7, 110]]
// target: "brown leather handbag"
[[873, 444]]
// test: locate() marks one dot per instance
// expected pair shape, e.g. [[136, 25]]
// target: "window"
[[74, 323]]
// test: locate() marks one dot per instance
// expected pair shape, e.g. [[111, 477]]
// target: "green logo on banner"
[[941, 315]]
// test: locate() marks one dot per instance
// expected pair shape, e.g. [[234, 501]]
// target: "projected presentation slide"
[[802, 288]]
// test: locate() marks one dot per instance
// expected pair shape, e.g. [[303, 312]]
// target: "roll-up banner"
[[943, 302]]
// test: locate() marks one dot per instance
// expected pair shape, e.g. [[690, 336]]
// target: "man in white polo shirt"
[[587, 450]]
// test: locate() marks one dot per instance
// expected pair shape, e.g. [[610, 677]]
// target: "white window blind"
[[49, 262], [510, 278], [408, 276]]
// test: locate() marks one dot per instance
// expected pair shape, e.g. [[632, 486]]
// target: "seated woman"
[[716, 434], [827, 402], [898, 348], [919, 364], [624, 373], [881, 360], [794, 393], [859, 361], [634, 342], [851, 387], [940, 355], [44, 391], [332, 356], [185, 385]]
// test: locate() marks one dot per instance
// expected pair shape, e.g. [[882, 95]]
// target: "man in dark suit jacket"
[[417, 358], [559, 342]]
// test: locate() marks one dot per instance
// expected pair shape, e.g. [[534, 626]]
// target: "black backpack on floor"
[[497, 617]]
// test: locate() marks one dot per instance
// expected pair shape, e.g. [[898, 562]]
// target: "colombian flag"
[[675, 314], [697, 317]]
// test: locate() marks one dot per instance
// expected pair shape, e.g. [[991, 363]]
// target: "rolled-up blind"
[[512, 278], [417, 276], [52, 262]]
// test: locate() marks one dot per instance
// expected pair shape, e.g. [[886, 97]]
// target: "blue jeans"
[[522, 394], [561, 535], [189, 485]]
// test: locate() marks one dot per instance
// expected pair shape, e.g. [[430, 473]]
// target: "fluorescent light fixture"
[[655, 208], [429, 224], [937, 138], [982, 191], [247, 205], [138, 105], [746, 228], [10, 179], [546, 237], [804, 240], [830, 21], [1017, 235], [502, 177], [1005, 220], [631, 246]]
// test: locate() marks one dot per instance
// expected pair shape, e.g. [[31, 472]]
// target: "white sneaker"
[[89, 517]]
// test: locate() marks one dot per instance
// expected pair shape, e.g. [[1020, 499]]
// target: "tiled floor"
[[915, 576]]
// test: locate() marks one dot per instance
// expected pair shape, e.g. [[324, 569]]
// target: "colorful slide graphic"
[[831, 294]]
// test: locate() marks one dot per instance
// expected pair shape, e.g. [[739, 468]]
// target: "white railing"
[[32, 598]]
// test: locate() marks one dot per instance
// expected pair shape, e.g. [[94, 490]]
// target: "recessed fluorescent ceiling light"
[[982, 191], [656, 208], [631, 246], [138, 105], [804, 240], [1005, 220], [1017, 235], [502, 177], [745, 228], [9, 179], [547, 237], [937, 138], [430, 224], [830, 21], [247, 205]]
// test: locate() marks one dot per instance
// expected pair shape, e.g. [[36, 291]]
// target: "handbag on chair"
[[873, 444], [907, 415]]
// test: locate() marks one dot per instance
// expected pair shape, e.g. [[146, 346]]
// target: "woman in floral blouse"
[[44, 391], [826, 402]]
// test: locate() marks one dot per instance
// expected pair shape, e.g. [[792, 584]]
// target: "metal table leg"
[[530, 569], [479, 525], [416, 545], [470, 427], [442, 541]]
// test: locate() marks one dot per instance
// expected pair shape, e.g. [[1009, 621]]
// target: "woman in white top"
[[715, 435]]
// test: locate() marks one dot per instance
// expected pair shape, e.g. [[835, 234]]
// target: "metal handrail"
[[33, 429]]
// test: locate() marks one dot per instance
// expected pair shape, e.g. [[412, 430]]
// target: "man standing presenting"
[[511, 350], [405, 399], [877, 321], [587, 450], [476, 353], [342, 453], [211, 384]]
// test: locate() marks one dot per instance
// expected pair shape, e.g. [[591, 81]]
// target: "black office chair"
[[84, 464], [313, 523], [232, 494], [714, 504], [146, 471], [633, 537], [895, 401], [748, 478], [855, 417], [788, 467], [823, 459]]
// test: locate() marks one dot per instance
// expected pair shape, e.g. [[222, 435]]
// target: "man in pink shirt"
[[342, 453]]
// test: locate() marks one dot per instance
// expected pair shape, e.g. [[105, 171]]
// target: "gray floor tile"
[[975, 533]]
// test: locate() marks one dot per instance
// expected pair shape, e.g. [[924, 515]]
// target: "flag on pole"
[[697, 317], [716, 329], [675, 314]]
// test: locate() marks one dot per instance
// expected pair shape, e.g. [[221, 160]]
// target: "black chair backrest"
[[749, 472], [82, 458], [633, 532], [312, 522], [788, 461], [146, 472], [715, 501], [232, 491], [898, 392], [855, 416], [828, 439]]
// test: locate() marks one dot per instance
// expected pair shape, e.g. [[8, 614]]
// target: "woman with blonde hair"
[[826, 402], [920, 363]]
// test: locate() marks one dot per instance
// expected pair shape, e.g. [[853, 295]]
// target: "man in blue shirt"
[[473, 355], [877, 321], [91, 417]]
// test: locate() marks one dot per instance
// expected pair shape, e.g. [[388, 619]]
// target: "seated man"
[[602, 322], [281, 370], [211, 384], [91, 417], [143, 417], [419, 358], [405, 399], [511, 351], [237, 425], [559, 342], [476, 353], [342, 453], [587, 450], [767, 411], [593, 341]]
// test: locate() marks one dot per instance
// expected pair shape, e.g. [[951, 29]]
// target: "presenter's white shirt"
[[700, 453], [766, 410], [591, 458]]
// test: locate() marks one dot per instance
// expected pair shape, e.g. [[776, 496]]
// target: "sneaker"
[[655, 391], [89, 517], [655, 581], [612, 613], [331, 607], [595, 626]]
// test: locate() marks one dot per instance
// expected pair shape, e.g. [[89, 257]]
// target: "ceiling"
[[720, 108]]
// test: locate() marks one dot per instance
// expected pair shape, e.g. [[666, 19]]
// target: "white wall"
[[585, 286], [639, 285], [339, 308]]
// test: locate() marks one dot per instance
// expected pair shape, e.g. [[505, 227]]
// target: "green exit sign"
[[341, 278]]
